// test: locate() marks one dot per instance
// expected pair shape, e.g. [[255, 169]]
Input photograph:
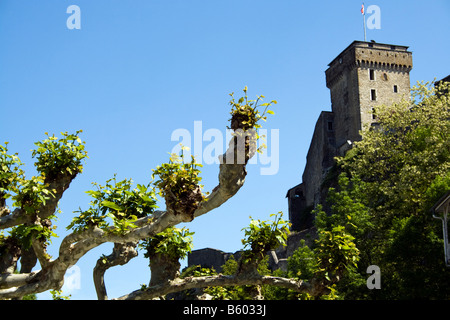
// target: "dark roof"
[[287, 194], [439, 206], [446, 79]]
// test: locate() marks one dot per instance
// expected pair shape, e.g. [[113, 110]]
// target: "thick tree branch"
[[10, 254], [41, 253], [9, 280], [4, 211], [76, 245], [122, 253], [231, 178], [220, 280], [28, 260], [232, 172]]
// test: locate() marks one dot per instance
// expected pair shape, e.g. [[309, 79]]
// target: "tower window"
[[374, 116], [373, 95], [395, 88], [371, 74], [330, 126]]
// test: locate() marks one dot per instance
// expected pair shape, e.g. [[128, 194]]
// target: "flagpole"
[[364, 20]]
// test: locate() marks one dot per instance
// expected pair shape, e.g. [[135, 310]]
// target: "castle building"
[[363, 76]]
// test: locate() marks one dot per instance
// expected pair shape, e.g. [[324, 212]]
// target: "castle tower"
[[363, 76]]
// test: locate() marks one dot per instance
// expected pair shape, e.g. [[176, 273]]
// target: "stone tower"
[[363, 76]]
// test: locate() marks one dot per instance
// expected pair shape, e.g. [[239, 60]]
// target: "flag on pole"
[[364, 20]]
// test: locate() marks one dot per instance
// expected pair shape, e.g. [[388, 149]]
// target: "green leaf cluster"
[[263, 236], [57, 295], [120, 202], [246, 292], [302, 264], [331, 259], [216, 293], [336, 253], [43, 231], [57, 156], [28, 194], [174, 242], [245, 114], [178, 182], [32, 194], [54, 157], [230, 267], [10, 174]]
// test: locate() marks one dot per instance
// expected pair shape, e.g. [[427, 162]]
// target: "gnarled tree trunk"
[[163, 268]]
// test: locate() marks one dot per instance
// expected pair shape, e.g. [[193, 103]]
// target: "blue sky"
[[138, 70]]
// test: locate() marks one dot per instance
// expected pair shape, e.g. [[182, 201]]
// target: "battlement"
[[369, 55]]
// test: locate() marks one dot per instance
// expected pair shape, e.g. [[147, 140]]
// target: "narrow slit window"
[[371, 74], [395, 88], [373, 95]]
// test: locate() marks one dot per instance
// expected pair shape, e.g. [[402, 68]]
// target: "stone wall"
[[210, 258], [320, 157]]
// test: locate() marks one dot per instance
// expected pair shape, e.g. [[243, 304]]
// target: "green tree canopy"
[[387, 185]]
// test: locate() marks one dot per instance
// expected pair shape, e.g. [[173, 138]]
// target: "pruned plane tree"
[[126, 216]]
